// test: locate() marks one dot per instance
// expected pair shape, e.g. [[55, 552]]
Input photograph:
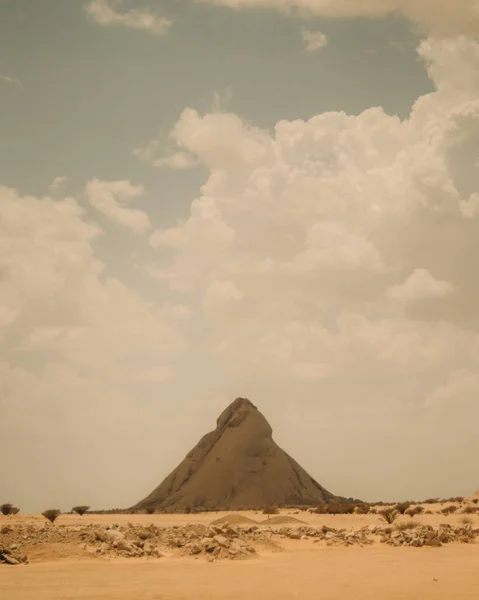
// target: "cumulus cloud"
[[107, 197], [302, 236], [102, 13], [314, 40], [326, 266], [420, 285], [177, 160], [80, 351], [58, 184], [458, 17]]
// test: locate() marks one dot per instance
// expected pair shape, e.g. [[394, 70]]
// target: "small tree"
[[51, 514], [447, 510], [80, 510], [389, 514], [6, 509], [402, 507], [413, 511]]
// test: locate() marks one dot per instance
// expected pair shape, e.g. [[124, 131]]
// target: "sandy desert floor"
[[302, 570]]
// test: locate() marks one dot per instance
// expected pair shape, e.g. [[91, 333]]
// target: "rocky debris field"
[[214, 542]]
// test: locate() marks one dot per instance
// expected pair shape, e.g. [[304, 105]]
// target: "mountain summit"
[[238, 465]]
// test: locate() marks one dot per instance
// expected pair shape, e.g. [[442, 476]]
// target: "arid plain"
[[336, 557]]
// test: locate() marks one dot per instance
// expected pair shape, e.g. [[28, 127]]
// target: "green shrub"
[[402, 507], [81, 510], [51, 514], [389, 514], [6, 509]]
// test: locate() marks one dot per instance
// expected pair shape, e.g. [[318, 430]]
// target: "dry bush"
[[80, 510], [402, 507], [361, 509], [14, 510], [389, 514], [6, 509], [447, 510], [373, 511], [475, 500], [51, 514], [414, 510], [466, 521], [470, 510], [271, 510], [431, 501], [150, 510]]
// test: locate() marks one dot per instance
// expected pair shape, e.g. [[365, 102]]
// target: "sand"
[[303, 570], [377, 573]]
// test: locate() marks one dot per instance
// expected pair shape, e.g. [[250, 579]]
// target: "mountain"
[[237, 466]]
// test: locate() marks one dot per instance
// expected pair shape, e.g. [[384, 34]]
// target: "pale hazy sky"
[[276, 199]]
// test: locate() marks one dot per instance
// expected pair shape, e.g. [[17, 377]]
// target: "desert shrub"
[[459, 499], [80, 510], [431, 501], [414, 510], [51, 514], [150, 510], [475, 500], [373, 511], [6, 509], [402, 507], [14, 510], [361, 509], [470, 510], [466, 521], [428, 512], [447, 510], [389, 514], [270, 510]]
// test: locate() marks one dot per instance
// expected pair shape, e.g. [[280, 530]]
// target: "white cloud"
[[107, 197], [314, 40], [102, 13], [10, 80], [177, 160], [302, 236], [451, 18], [280, 279], [82, 355], [58, 184], [420, 285]]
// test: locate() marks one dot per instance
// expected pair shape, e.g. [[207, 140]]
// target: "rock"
[[194, 548], [222, 541], [9, 560]]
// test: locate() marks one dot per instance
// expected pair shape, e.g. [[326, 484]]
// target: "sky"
[[273, 199]]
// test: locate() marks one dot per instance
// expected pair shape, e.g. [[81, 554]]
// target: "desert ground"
[[283, 568]]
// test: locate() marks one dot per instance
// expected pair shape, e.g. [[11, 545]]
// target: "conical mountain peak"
[[237, 465]]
